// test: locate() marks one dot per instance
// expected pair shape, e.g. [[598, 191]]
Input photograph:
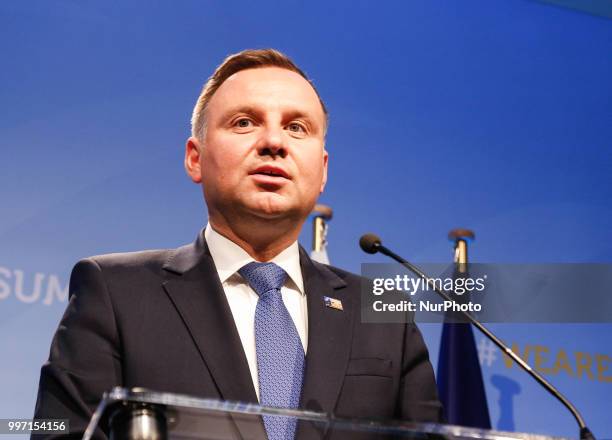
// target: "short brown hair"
[[247, 59]]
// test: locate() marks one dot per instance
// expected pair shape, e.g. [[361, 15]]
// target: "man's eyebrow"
[[306, 116], [296, 114], [247, 109]]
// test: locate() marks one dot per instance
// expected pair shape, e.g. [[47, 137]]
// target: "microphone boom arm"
[[375, 245]]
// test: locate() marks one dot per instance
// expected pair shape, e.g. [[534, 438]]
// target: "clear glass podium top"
[[140, 414]]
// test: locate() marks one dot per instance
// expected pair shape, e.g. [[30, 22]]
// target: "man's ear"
[[325, 158], [192, 159]]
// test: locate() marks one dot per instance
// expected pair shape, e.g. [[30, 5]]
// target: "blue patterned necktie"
[[280, 355]]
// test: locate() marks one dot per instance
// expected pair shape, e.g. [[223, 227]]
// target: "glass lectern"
[[138, 414]]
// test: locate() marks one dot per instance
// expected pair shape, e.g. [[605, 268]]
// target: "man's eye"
[[243, 123], [295, 127]]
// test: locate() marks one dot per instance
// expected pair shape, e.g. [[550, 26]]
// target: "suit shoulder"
[[346, 276], [131, 261], [122, 275]]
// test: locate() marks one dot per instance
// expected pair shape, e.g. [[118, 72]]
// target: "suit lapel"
[[329, 336], [198, 297]]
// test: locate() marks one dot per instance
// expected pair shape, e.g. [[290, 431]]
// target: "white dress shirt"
[[242, 299]]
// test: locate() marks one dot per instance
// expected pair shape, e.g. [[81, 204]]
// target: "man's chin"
[[272, 213], [273, 207]]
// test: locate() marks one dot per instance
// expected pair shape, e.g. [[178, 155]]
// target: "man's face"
[[263, 152]]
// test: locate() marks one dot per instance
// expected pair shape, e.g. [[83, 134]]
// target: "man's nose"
[[273, 142]]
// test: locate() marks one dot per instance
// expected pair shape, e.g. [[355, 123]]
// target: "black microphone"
[[371, 244]]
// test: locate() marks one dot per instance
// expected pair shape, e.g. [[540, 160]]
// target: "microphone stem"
[[585, 433]]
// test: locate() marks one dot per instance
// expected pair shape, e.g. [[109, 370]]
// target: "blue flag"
[[459, 378]]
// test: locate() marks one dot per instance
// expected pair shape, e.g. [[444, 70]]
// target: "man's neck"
[[261, 241]]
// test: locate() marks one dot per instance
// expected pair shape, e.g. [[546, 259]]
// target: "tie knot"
[[263, 277]]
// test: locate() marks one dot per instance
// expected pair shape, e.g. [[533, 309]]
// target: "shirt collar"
[[229, 257]]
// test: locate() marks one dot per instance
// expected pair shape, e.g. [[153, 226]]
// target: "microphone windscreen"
[[369, 243]]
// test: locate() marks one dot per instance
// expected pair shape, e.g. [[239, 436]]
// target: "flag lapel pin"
[[333, 303]]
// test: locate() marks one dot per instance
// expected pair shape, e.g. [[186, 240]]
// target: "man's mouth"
[[272, 171]]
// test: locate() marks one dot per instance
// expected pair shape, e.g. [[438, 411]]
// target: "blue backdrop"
[[490, 114]]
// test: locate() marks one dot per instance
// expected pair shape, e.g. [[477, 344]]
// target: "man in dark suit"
[[241, 314]]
